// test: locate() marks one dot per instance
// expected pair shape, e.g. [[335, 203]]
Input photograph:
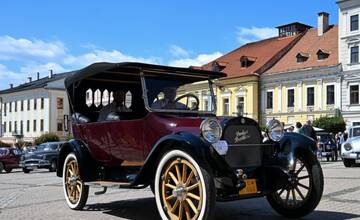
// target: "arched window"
[[105, 98], [128, 99], [97, 98], [89, 97]]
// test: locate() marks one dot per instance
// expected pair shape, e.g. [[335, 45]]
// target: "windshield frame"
[[147, 106]]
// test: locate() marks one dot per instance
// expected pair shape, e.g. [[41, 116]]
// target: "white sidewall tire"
[[160, 167], [69, 203]]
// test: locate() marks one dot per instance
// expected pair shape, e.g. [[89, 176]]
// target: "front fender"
[[87, 164], [197, 146]]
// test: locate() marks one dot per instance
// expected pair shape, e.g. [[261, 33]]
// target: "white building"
[[34, 108], [349, 42]]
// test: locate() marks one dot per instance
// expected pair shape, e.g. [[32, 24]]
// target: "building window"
[[10, 105], [4, 127], [15, 127], [42, 103], [35, 104], [354, 55], [322, 54], [60, 103], [21, 127], [5, 110], [34, 125], [310, 96], [354, 23], [240, 105], [22, 105], [42, 125], [206, 105], [15, 106], [28, 104], [290, 98], [28, 125], [10, 126], [302, 57], [226, 109], [330, 94], [354, 94], [269, 100], [59, 126]]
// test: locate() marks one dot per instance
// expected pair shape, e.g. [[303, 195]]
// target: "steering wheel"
[[189, 95]]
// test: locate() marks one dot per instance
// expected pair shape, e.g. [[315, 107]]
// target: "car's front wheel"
[[25, 170], [76, 192], [1, 167], [184, 187], [303, 191], [8, 170], [349, 162], [53, 166]]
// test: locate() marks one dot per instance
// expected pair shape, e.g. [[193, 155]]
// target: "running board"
[[108, 184]]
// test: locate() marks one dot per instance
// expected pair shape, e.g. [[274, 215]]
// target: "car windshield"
[[325, 138], [43, 147], [356, 132], [179, 94]]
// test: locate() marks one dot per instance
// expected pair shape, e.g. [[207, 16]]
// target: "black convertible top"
[[137, 68]]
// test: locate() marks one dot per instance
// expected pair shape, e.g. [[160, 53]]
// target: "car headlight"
[[347, 146], [44, 157], [211, 130], [275, 130]]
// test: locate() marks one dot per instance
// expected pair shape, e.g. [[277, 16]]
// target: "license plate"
[[251, 187], [32, 167]]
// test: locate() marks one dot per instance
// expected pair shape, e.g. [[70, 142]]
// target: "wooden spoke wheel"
[[75, 191], [303, 191], [183, 189]]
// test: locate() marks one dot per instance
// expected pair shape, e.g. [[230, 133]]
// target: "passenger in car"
[[118, 105], [168, 102]]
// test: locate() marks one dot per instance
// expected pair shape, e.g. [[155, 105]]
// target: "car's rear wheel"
[[25, 170], [349, 162], [53, 166], [304, 189], [76, 192], [184, 187], [1, 167], [8, 170]]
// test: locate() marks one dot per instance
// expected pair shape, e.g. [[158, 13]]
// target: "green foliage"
[[69, 137], [330, 124], [2, 144], [48, 137], [338, 113]]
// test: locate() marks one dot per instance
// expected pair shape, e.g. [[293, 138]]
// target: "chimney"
[[11, 85], [323, 23], [50, 73], [38, 75], [29, 79]]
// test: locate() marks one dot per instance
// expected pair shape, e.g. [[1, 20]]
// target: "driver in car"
[[118, 105], [168, 102]]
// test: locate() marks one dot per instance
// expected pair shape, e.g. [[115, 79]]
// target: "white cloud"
[[6, 74], [178, 51], [199, 60], [104, 56], [246, 35], [20, 49], [43, 68]]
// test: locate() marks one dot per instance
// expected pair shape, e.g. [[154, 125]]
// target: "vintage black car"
[[327, 146], [160, 136], [45, 156]]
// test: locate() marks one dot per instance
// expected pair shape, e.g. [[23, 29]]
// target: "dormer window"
[[322, 54], [302, 57], [218, 66], [247, 61]]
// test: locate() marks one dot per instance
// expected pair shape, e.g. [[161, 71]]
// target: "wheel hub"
[[72, 180], [180, 193]]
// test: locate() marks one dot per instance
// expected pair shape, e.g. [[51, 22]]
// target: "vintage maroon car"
[[137, 125], [9, 159]]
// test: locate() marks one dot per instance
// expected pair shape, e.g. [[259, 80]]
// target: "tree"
[[48, 137], [330, 124]]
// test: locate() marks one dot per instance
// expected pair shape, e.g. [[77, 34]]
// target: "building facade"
[[34, 108], [306, 82], [349, 42]]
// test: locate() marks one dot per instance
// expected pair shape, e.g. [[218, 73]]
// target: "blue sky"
[[36, 36]]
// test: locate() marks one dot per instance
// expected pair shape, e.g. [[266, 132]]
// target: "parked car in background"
[[160, 135], [9, 158], [350, 149], [44, 156], [327, 145]]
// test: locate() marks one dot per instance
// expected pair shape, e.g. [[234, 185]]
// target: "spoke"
[[281, 192], [293, 195], [303, 186], [193, 196], [173, 178], [78, 189], [184, 173], [300, 193], [178, 172], [303, 177], [71, 172], [170, 186], [299, 170], [193, 187], [192, 206], [287, 196], [181, 209], [78, 182], [169, 197], [187, 211], [175, 206], [189, 178]]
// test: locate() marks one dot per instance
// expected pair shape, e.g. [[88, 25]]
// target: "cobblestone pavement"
[[39, 195]]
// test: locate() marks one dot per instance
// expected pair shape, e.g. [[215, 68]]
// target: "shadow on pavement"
[[258, 209]]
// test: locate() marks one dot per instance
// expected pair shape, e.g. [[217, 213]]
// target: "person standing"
[[309, 130]]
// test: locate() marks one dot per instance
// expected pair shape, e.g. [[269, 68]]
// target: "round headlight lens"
[[275, 130], [347, 146], [211, 130]]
